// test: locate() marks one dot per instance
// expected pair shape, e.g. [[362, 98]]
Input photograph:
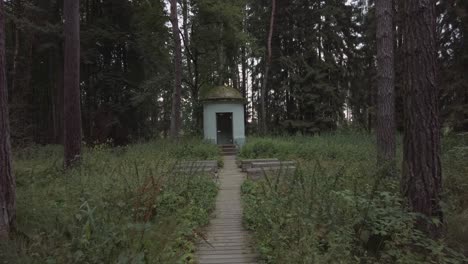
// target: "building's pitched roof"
[[221, 93]]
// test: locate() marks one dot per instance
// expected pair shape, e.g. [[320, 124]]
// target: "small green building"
[[223, 115]]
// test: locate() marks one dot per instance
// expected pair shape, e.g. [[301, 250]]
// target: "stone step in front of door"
[[228, 150]]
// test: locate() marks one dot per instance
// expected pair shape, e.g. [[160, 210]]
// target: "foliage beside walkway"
[[122, 205], [338, 209]]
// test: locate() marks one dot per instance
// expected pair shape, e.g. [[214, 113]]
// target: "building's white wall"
[[209, 120]]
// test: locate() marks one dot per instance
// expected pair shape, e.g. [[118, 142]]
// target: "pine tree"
[[176, 121], [72, 104], [7, 179], [422, 177], [263, 116], [386, 144]]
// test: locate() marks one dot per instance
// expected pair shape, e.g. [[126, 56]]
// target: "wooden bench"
[[273, 164], [259, 173], [245, 164], [199, 166], [198, 163]]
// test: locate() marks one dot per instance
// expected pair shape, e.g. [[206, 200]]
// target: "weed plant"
[[338, 207], [122, 205]]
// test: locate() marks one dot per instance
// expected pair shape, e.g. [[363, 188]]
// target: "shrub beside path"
[[226, 239]]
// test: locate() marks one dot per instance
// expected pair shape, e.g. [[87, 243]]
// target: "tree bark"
[[386, 144], [188, 59], [59, 97], [21, 112], [176, 121], [464, 65], [7, 179], [185, 19], [422, 178], [17, 10], [263, 123], [399, 67], [72, 107], [244, 82]]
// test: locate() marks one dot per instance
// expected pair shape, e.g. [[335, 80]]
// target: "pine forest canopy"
[[323, 65]]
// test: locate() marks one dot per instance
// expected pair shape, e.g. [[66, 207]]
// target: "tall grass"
[[122, 205], [343, 147], [338, 208]]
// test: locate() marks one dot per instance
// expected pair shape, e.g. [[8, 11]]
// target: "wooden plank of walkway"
[[227, 240]]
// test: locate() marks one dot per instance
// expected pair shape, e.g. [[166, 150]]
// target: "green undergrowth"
[[337, 147], [122, 205], [338, 207]]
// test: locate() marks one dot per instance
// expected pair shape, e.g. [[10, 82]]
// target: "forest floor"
[[122, 205], [338, 207], [125, 204]]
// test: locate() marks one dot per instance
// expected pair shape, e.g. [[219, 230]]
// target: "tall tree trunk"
[[263, 123], [253, 109], [58, 95], [422, 178], [176, 121], [72, 107], [7, 179], [399, 67], [235, 75], [188, 58], [386, 144], [464, 66], [21, 112], [185, 21], [18, 10], [244, 83]]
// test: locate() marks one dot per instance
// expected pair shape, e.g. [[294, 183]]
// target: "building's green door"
[[224, 128]]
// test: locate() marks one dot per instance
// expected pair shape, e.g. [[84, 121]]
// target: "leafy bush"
[[122, 205]]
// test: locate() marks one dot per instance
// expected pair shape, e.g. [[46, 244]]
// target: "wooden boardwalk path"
[[228, 241]]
